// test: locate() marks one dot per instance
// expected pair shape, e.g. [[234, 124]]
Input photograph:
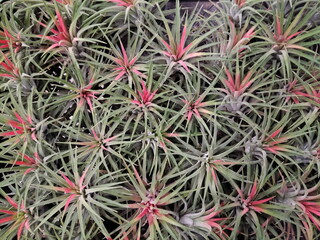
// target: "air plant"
[[21, 127], [129, 120], [8, 40], [304, 200], [126, 66], [249, 202], [239, 39], [195, 108], [18, 215], [300, 93], [274, 141], [207, 220], [235, 85], [149, 204], [237, 89], [178, 52], [295, 91], [73, 190], [288, 37], [60, 36], [85, 95], [97, 142], [9, 69], [31, 163], [282, 38], [145, 97]]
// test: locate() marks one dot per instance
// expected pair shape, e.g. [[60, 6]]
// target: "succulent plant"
[[128, 120]]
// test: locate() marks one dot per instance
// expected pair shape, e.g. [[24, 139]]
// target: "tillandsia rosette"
[[154, 120]]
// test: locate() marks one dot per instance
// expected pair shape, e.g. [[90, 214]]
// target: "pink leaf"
[[189, 115], [15, 124], [184, 65], [141, 215], [7, 219], [89, 102], [61, 23], [274, 134], [253, 192], [69, 200], [8, 212], [183, 40], [120, 75], [278, 27], [70, 183], [12, 133], [125, 57], [261, 201], [82, 179], [20, 229], [133, 61], [293, 35], [257, 209], [167, 46], [109, 139], [192, 55], [12, 203]]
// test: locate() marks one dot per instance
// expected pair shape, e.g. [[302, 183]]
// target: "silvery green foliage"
[[134, 120]]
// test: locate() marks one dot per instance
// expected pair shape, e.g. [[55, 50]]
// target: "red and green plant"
[[131, 120]]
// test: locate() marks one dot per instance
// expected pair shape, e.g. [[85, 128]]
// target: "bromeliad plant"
[[9, 41], [131, 120], [17, 215], [176, 51], [60, 33]]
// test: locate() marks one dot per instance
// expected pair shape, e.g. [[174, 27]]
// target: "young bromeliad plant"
[[126, 120]]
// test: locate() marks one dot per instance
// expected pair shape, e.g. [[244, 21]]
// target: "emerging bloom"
[[272, 142], [237, 86], [178, 53], [126, 65], [145, 96], [248, 203], [61, 37], [86, 95], [10, 70], [29, 162], [21, 127], [123, 3], [8, 40], [74, 190], [195, 108], [19, 216]]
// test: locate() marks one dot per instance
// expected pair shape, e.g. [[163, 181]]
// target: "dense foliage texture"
[[126, 120]]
